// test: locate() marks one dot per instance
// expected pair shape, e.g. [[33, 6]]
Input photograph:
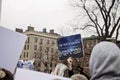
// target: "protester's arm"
[[70, 73], [81, 72], [70, 63]]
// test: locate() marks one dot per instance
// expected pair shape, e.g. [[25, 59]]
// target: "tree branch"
[[108, 13], [103, 14], [96, 20], [109, 10], [117, 32], [115, 12], [83, 28], [114, 27], [91, 19], [87, 26]]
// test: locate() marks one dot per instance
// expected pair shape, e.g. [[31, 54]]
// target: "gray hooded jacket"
[[105, 62]]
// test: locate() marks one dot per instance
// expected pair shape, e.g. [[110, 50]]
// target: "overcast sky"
[[50, 14]]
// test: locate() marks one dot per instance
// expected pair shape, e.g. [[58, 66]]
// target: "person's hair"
[[78, 77], [9, 75]]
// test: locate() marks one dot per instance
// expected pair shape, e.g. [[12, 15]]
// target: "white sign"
[[24, 74], [11, 46], [60, 69], [0, 9]]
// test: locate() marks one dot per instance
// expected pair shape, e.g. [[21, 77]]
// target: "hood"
[[105, 62]]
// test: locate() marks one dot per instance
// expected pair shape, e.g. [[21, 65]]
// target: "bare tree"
[[103, 16], [65, 30], [45, 60]]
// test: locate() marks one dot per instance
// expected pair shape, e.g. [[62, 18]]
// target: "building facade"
[[41, 46]]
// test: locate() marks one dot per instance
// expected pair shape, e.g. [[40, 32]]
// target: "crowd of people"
[[104, 64], [26, 64]]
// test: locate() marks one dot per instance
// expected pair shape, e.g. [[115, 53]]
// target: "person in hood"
[[78, 77], [105, 62], [20, 64]]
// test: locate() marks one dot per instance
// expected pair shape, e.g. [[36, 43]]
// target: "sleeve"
[[70, 73]]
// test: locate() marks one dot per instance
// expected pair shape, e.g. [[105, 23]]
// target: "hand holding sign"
[[70, 62]]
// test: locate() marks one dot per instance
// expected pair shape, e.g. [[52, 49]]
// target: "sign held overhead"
[[70, 46]]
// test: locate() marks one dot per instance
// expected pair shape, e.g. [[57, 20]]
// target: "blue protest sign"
[[70, 46]]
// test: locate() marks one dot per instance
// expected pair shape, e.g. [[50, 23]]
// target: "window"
[[27, 47], [87, 45], [46, 56], [53, 42], [40, 55], [36, 39], [41, 41], [27, 54], [47, 49], [40, 48], [92, 43], [46, 64], [52, 50], [39, 64], [28, 40], [35, 47], [24, 54], [34, 55], [51, 65], [47, 41]]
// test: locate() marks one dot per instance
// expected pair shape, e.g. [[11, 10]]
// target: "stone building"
[[41, 46]]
